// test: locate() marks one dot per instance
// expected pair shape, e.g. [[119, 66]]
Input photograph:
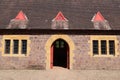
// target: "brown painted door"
[[51, 57]]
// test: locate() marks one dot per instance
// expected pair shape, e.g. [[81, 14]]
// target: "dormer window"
[[19, 22], [59, 22], [100, 22]]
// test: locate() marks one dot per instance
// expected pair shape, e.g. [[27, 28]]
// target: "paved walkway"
[[59, 74]]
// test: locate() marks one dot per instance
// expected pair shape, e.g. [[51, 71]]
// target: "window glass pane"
[[103, 47], [62, 44], [95, 47], [7, 46], [111, 47], [16, 46], [57, 44], [24, 46]]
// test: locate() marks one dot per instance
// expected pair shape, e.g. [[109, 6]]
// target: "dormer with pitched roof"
[[19, 22], [59, 22], [100, 22], [21, 16]]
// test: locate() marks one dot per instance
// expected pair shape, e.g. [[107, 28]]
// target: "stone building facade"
[[48, 33], [80, 53]]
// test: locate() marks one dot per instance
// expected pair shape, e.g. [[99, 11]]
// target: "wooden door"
[[51, 57]]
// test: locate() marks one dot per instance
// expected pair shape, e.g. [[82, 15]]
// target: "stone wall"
[[85, 61], [37, 58]]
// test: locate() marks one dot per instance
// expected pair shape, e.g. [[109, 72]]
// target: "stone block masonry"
[[37, 56]]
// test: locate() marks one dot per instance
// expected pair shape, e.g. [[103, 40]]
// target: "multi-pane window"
[[62, 44], [15, 46], [95, 47], [24, 46], [103, 47], [112, 47], [59, 44], [7, 46]]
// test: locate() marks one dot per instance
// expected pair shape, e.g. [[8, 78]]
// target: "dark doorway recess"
[[60, 53]]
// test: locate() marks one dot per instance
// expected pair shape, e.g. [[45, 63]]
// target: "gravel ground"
[[59, 74]]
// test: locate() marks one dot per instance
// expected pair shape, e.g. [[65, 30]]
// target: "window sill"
[[104, 55], [14, 55]]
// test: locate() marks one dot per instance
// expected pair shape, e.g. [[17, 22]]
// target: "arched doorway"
[[48, 49], [60, 54]]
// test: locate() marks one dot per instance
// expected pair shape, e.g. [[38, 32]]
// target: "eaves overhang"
[[50, 31]]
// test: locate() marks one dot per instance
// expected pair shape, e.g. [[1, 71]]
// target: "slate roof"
[[40, 13]]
